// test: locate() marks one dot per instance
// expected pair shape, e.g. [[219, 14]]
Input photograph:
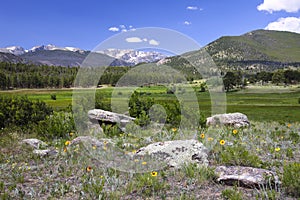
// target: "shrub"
[[20, 111], [58, 125], [53, 96], [291, 179]]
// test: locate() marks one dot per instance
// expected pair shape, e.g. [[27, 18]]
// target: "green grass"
[[258, 103]]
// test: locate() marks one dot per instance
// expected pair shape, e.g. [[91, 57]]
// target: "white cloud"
[[138, 40], [154, 42], [291, 24], [278, 5], [122, 26], [114, 29], [187, 23], [192, 8], [134, 39]]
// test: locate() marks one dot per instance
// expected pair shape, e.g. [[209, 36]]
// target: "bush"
[[20, 111], [58, 125], [291, 179], [53, 96]]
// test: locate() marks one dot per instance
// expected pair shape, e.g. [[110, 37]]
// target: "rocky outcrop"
[[109, 117], [247, 176], [176, 153], [34, 143], [39, 147], [236, 120]]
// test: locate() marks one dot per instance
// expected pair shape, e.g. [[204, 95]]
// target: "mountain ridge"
[[72, 56], [254, 50]]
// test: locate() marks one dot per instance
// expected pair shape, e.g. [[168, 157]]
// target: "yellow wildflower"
[[67, 143], [222, 142], [235, 131], [154, 173], [202, 136], [277, 149], [144, 163], [210, 139]]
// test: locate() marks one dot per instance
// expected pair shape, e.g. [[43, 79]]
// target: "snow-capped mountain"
[[16, 50], [51, 47], [72, 56], [133, 56]]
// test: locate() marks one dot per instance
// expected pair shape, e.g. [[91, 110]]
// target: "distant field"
[[63, 96], [270, 103]]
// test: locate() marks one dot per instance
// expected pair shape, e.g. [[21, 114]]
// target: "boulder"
[[109, 117], [45, 152], [247, 176], [236, 120], [35, 143], [176, 153]]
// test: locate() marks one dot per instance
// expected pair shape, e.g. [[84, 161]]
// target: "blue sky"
[[86, 23]]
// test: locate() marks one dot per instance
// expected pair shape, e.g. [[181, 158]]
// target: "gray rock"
[[109, 117], [95, 128], [45, 152], [176, 153], [91, 141], [247, 176], [236, 120], [35, 143]]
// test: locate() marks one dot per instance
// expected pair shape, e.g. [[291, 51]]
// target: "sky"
[[86, 23]]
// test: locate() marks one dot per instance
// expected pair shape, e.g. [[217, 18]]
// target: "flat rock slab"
[[176, 153], [236, 120], [110, 117], [34, 143], [246, 176]]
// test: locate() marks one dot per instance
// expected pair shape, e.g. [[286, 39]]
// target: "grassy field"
[[269, 103], [77, 172]]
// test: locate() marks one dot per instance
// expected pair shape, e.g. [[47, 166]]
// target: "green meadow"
[[259, 103]]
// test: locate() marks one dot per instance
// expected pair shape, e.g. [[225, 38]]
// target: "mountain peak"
[[133, 56], [51, 47], [16, 50]]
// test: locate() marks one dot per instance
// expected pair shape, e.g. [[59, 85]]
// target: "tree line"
[[237, 79], [20, 75]]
